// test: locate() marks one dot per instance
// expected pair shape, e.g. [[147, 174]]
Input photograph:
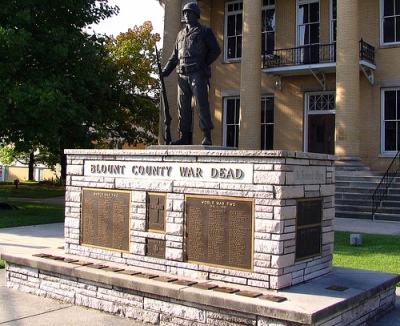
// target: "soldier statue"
[[196, 48]]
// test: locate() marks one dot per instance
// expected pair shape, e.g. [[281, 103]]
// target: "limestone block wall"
[[275, 180]]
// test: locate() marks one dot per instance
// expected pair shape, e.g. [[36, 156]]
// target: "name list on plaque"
[[105, 219], [219, 231]]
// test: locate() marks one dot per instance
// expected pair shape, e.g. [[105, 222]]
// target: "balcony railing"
[[367, 52], [312, 54], [302, 55]]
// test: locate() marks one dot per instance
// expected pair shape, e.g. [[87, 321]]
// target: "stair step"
[[391, 203], [356, 215], [388, 210], [387, 217], [353, 208], [351, 202], [353, 195], [353, 198], [355, 190]]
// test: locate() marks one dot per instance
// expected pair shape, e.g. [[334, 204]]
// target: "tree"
[[134, 55], [61, 88]]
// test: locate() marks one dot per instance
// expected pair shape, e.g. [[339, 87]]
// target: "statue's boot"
[[207, 138], [184, 140]]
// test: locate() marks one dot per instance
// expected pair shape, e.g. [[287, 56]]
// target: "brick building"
[[305, 75]]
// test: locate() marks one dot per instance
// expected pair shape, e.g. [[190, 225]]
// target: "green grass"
[[31, 214], [377, 253], [30, 189]]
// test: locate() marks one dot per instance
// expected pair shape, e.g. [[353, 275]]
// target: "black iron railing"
[[367, 52], [312, 54], [382, 189]]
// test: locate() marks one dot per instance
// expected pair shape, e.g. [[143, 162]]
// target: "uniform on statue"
[[196, 48]]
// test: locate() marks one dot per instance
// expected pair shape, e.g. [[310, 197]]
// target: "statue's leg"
[[200, 91], [185, 111]]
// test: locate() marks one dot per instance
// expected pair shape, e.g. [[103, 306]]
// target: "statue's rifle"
[[167, 115]]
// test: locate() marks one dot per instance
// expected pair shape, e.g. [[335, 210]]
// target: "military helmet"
[[192, 6]]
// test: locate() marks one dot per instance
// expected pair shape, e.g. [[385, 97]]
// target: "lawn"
[[30, 189], [378, 252], [31, 214]]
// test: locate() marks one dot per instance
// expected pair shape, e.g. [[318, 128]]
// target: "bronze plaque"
[[155, 248], [105, 219], [219, 231], [308, 228], [156, 212]]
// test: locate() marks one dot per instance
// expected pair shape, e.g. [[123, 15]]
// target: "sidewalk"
[[22, 309]]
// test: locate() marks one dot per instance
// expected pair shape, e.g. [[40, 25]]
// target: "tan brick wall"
[[359, 102], [387, 72], [250, 95], [347, 80]]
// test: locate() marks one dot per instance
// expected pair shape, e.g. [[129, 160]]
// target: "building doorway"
[[320, 123], [321, 131]]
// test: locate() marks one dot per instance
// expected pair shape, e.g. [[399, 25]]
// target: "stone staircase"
[[353, 197]]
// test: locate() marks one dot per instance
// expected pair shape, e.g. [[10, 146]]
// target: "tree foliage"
[[133, 53], [63, 87]]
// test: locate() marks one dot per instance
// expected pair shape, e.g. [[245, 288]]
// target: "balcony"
[[314, 59]]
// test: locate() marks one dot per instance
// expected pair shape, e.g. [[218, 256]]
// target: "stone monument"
[[183, 234]]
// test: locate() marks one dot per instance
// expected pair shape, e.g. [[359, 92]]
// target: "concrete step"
[[354, 208], [387, 217], [363, 190], [355, 215], [353, 197]]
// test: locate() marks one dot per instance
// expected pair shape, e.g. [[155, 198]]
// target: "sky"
[[131, 13]]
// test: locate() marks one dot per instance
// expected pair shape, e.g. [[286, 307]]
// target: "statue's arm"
[[214, 50], [171, 63]]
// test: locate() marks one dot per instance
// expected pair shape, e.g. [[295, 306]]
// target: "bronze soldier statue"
[[196, 48]]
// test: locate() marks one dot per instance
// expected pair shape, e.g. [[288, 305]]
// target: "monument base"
[[246, 217], [346, 296]]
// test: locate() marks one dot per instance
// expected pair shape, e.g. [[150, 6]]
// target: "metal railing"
[[367, 52], [382, 189], [312, 54]]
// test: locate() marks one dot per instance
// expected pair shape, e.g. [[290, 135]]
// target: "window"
[[308, 30], [231, 122], [308, 22], [391, 120], [320, 103], [390, 13], [333, 21], [267, 123], [268, 27], [234, 29]]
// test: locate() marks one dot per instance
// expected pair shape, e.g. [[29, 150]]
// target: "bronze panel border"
[[309, 226], [208, 197], [129, 193], [148, 194]]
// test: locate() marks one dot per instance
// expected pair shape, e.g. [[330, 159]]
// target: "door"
[[321, 133]]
